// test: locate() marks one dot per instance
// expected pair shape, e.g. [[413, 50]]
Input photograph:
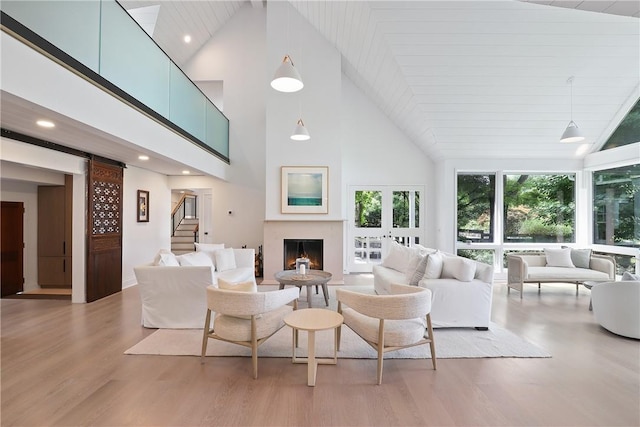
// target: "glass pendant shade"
[[300, 133], [572, 133], [287, 78]]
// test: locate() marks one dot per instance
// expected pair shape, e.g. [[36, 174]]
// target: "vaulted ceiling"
[[475, 79]]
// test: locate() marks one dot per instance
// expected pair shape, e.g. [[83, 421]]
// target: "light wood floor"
[[63, 364]]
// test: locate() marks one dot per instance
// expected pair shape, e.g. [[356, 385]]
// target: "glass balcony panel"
[[217, 130], [187, 108], [132, 61], [71, 26]]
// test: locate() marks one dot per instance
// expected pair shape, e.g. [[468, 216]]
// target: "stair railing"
[[186, 208]]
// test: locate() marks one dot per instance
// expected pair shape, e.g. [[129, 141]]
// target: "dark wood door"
[[104, 230], [12, 246]]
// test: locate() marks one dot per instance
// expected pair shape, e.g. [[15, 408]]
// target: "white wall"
[[376, 152], [142, 240], [236, 55], [319, 64]]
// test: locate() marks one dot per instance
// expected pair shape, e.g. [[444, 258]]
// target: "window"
[[539, 208], [476, 207], [627, 131], [616, 206]]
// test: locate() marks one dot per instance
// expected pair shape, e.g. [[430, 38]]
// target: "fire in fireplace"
[[303, 248]]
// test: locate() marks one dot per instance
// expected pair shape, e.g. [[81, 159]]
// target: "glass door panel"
[[379, 215]]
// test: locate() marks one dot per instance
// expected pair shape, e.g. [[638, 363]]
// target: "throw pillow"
[[434, 266], [398, 257], [460, 268], [225, 259], [423, 250], [581, 258], [198, 259], [558, 257], [418, 273], [627, 276], [165, 258], [414, 260]]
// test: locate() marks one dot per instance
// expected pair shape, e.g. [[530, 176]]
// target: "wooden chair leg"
[[432, 344], [380, 350], [205, 336]]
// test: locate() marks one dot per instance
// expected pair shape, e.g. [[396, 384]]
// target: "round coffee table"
[[312, 320], [310, 279]]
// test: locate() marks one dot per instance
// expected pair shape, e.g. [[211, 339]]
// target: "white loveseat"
[[173, 296], [455, 302], [563, 265]]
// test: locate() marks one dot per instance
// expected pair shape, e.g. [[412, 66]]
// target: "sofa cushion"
[[434, 266], [558, 257], [627, 276], [399, 257], [165, 258], [418, 272], [563, 274], [195, 259], [459, 268], [581, 258], [225, 259]]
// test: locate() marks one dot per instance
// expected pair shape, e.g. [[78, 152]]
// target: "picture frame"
[[142, 203], [304, 189]]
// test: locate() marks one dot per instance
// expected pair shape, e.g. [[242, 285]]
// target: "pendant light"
[[300, 133], [572, 132], [287, 78]]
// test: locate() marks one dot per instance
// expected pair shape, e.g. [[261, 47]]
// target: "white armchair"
[[246, 318], [616, 307], [389, 322]]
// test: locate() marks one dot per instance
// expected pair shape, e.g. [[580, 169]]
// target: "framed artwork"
[[305, 189], [143, 206]]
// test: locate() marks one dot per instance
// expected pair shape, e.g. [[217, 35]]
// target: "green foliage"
[[480, 255], [537, 227], [368, 208]]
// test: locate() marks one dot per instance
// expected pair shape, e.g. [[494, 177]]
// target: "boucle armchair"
[[389, 322], [246, 318]]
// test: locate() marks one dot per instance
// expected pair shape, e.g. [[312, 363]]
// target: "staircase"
[[184, 237]]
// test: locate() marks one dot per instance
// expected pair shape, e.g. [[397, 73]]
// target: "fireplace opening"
[[303, 248]]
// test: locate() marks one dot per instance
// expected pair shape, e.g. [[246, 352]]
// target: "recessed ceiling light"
[[186, 172], [45, 124], [187, 38], [143, 157]]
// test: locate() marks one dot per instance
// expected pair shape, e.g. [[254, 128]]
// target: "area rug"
[[451, 343]]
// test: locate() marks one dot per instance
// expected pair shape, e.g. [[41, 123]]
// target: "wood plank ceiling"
[[466, 79]]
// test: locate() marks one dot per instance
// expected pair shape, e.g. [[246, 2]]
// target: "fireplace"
[[303, 248]]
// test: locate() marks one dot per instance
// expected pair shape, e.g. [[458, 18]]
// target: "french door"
[[377, 215]]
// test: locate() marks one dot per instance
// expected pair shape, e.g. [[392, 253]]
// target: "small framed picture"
[[305, 189], [143, 206]]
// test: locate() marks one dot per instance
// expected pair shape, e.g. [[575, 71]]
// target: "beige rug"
[[450, 343]]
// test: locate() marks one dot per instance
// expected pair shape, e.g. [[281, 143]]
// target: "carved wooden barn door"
[[104, 233]]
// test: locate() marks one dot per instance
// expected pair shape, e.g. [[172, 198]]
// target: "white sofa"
[[534, 268], [455, 303], [174, 296]]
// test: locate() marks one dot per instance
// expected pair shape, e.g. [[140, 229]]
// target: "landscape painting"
[[304, 189]]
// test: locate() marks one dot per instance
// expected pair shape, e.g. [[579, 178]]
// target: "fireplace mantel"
[[331, 232]]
